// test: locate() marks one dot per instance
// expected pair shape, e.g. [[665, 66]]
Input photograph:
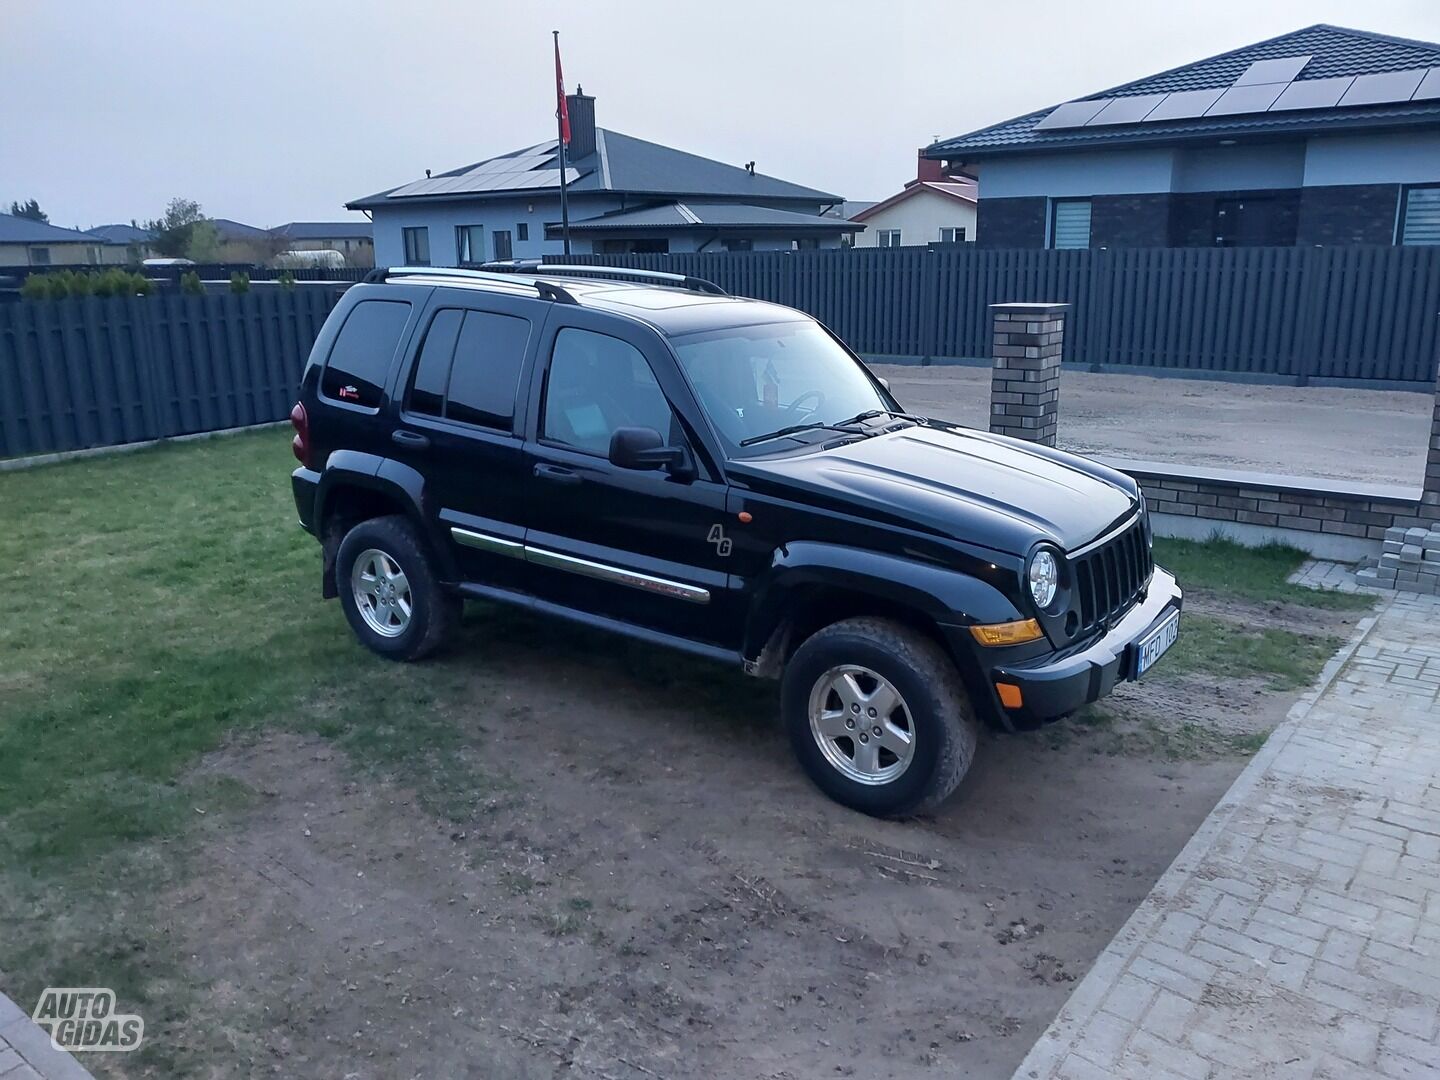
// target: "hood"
[[1001, 493]]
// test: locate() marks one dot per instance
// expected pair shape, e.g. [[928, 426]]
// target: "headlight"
[[1145, 522], [1044, 578]]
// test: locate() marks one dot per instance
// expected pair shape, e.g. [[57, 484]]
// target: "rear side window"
[[432, 370], [469, 367], [363, 350]]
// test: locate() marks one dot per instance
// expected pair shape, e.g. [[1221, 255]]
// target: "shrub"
[[239, 283], [59, 284], [286, 279], [36, 287], [190, 284]]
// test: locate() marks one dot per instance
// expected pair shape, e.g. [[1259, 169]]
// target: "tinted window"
[[360, 358], [432, 370], [486, 370], [596, 384]]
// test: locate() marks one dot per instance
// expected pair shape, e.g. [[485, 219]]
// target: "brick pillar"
[[1432, 459], [1025, 379]]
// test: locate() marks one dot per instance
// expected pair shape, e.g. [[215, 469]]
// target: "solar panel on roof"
[[1183, 104], [1312, 93], [1383, 88], [473, 183], [1280, 70], [1072, 114], [1429, 86], [1126, 110], [1246, 99]]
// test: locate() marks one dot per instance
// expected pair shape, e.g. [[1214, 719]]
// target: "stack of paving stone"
[[1410, 561]]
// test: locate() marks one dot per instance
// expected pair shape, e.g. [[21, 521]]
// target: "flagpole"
[[560, 140]]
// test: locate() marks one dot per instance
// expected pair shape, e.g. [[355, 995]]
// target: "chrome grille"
[[1109, 578]]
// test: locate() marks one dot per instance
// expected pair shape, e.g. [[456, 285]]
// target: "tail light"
[[301, 443]]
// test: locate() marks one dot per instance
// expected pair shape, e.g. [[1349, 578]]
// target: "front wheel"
[[392, 598], [878, 717]]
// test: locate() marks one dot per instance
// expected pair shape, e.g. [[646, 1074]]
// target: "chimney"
[[926, 168], [582, 124]]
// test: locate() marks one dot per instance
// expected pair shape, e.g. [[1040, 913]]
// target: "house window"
[[1420, 215], [952, 236], [807, 243], [1069, 223], [503, 250], [469, 244], [39, 256], [887, 238], [417, 246], [522, 230], [740, 243]]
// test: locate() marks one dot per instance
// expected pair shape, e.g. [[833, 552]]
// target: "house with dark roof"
[[1321, 136], [353, 239], [934, 208], [625, 195], [130, 242], [26, 242]]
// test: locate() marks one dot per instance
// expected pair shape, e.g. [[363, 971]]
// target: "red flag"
[[562, 110]]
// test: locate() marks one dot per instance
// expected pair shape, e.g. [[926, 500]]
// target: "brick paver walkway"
[[1297, 935], [26, 1052]]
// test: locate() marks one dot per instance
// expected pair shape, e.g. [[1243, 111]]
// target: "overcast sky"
[[270, 111]]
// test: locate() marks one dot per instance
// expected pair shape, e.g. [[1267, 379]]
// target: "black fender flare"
[[396, 481], [944, 595]]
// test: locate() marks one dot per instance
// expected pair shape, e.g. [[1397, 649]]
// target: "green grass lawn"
[[1224, 566]]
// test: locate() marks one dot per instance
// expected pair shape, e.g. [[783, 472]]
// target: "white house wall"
[[919, 219]]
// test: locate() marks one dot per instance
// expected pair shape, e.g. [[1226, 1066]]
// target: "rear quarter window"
[[360, 359]]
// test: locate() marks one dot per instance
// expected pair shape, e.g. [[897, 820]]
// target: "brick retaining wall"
[[1328, 519]]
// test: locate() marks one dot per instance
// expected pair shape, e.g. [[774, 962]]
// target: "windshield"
[[755, 380]]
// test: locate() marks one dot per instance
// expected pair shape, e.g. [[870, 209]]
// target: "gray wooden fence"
[[96, 372], [1366, 314]]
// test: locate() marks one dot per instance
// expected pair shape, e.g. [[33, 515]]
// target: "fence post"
[[1025, 378], [1431, 496]]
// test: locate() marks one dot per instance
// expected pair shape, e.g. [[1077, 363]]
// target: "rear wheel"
[[878, 717], [391, 595]]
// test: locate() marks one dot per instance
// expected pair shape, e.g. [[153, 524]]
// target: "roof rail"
[[546, 290], [533, 266], [685, 281]]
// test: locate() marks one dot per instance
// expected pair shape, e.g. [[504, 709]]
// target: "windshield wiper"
[[791, 430], [848, 426]]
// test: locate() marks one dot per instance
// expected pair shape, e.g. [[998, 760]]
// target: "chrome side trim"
[[496, 545], [1122, 527], [676, 590]]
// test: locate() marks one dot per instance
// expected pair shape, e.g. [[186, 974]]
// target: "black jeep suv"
[[643, 453]]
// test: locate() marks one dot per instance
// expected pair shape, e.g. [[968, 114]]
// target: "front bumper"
[[1055, 684]]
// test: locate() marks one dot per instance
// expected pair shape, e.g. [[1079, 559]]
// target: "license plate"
[[1153, 645]]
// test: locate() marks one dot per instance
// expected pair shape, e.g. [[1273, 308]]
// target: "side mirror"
[[644, 448]]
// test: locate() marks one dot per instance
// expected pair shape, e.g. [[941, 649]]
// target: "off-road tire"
[[946, 731], [435, 612]]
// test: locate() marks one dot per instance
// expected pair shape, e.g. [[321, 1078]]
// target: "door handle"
[[412, 439], [557, 473]]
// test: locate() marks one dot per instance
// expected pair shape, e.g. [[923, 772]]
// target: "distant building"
[[625, 195], [353, 239], [1320, 136], [931, 209], [135, 243], [24, 242]]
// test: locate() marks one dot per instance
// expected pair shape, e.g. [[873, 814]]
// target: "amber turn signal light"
[[1010, 695], [1007, 633]]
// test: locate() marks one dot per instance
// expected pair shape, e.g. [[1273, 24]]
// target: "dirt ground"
[[1376, 436], [651, 889]]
